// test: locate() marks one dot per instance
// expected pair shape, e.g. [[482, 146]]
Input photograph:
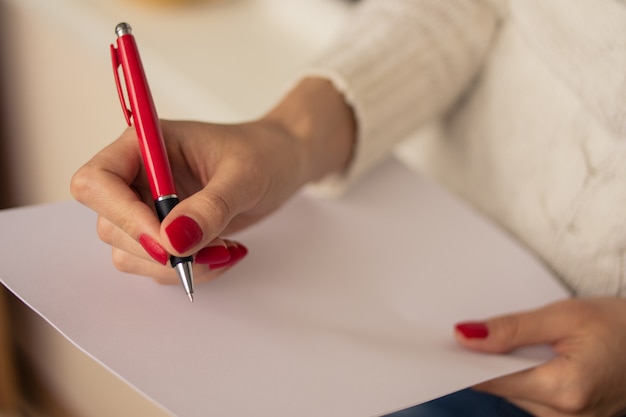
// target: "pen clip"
[[116, 73]]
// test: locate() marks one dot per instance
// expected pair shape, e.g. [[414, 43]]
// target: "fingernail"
[[242, 249], [152, 247], [237, 252], [184, 233], [473, 330], [213, 255]]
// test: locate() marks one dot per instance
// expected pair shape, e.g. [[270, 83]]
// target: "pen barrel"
[[143, 116], [145, 119], [163, 206]]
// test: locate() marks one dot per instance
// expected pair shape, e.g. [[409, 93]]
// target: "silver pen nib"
[[185, 273]]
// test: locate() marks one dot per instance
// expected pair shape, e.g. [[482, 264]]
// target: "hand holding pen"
[[226, 177]]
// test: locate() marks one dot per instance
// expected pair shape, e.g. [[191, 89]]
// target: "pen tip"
[[190, 296]]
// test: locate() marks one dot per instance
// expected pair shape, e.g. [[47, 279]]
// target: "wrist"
[[316, 116]]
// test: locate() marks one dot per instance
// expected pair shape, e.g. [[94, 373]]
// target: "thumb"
[[196, 221], [508, 332]]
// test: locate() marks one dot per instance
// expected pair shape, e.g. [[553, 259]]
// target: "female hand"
[[227, 177], [587, 377]]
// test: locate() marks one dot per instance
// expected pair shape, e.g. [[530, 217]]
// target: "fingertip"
[[195, 222], [472, 330], [243, 249], [183, 233], [213, 255], [237, 252], [478, 336], [154, 249]]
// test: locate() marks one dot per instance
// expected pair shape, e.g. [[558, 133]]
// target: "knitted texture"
[[401, 63], [528, 103]]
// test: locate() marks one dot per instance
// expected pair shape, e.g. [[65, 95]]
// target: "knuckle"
[[585, 314], [508, 331], [121, 260], [218, 207], [105, 230], [126, 218], [580, 310], [81, 184]]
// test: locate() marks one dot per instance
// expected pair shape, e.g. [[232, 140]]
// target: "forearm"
[[317, 116], [402, 65]]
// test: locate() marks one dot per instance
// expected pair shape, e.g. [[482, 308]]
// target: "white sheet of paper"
[[342, 308]]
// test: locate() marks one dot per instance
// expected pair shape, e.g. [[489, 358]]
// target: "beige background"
[[213, 60]]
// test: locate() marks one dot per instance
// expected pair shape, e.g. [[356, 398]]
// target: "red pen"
[[142, 114]]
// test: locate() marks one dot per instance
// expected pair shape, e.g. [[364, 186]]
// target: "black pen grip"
[[163, 206]]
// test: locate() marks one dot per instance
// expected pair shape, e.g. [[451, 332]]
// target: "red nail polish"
[[242, 249], [473, 330], [153, 248], [213, 255], [237, 251], [184, 233]]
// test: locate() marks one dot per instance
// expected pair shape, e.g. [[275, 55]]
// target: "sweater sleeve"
[[401, 64]]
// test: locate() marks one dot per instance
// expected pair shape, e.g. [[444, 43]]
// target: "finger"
[[555, 324], [508, 332], [137, 265], [149, 248], [103, 185], [146, 247], [237, 252], [200, 218], [162, 274]]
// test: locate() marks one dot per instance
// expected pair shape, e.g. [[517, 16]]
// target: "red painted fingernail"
[[184, 233], [473, 330], [213, 255], [153, 248], [242, 249], [237, 251]]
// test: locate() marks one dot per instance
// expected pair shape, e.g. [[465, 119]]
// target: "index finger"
[[103, 184]]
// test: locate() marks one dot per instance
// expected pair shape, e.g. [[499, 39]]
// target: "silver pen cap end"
[[123, 29]]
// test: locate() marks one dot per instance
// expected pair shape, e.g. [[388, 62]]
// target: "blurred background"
[[212, 60]]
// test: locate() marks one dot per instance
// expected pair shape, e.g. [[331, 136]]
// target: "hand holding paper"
[[588, 336]]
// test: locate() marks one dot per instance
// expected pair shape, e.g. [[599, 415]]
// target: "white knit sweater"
[[519, 106]]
